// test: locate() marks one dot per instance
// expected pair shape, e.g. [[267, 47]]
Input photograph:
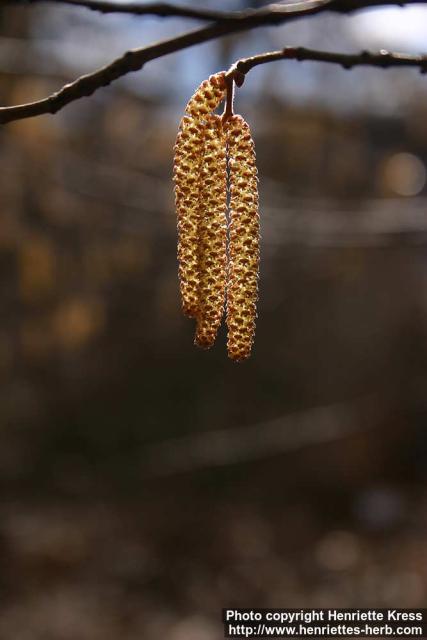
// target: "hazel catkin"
[[209, 271], [243, 267], [188, 155], [208, 95], [212, 234], [187, 166]]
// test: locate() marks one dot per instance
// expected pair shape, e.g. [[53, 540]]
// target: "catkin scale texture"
[[187, 167], [209, 272], [207, 96], [212, 234], [188, 157], [243, 268]]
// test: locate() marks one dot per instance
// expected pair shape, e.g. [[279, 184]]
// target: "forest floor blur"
[[165, 565]]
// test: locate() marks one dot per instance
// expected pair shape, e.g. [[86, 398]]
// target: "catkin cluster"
[[210, 272]]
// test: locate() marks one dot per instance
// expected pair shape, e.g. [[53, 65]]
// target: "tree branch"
[[135, 59], [161, 9], [87, 84], [383, 59], [271, 13]]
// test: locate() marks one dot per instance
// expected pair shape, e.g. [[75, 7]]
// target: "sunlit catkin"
[[209, 272], [207, 96], [187, 167], [187, 177], [212, 234], [243, 268]]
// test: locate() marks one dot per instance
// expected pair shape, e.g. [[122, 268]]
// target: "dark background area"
[[146, 484]]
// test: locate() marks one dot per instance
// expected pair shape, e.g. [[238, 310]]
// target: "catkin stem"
[[229, 102]]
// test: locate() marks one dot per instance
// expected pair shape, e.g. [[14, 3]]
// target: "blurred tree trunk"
[[15, 22]]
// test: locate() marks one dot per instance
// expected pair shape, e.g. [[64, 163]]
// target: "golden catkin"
[[187, 168], [187, 177], [243, 269], [212, 234], [207, 96]]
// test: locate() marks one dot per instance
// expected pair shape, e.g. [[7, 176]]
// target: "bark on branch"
[[383, 59], [135, 59], [272, 12]]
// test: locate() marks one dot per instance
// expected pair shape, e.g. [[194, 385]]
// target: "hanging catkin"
[[187, 163], [207, 96], [243, 268], [207, 274], [187, 177], [188, 156], [212, 234]]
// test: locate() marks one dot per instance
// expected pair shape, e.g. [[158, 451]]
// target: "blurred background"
[[146, 484]]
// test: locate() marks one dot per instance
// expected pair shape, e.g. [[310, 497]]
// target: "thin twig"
[[383, 59], [164, 9], [161, 9], [135, 59], [87, 84]]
